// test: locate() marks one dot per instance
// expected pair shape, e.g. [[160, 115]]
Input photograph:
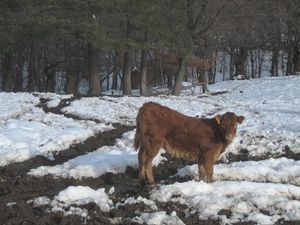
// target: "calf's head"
[[228, 124]]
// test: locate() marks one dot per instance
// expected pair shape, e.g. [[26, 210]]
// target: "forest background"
[[120, 45]]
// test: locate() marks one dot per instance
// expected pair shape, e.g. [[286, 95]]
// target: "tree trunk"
[[19, 80], [135, 78], [31, 70], [223, 65], [289, 63], [239, 61], [40, 78], [204, 80], [7, 72], [114, 85], [144, 73], [231, 67], [274, 65], [260, 62], [214, 75], [50, 81], [115, 79], [214, 71], [128, 60], [252, 65], [296, 60], [180, 75], [108, 80], [71, 82], [94, 77]]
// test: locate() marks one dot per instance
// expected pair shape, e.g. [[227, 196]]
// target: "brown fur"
[[182, 136]]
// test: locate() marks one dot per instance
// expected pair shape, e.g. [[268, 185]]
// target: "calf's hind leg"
[[142, 161], [145, 162]]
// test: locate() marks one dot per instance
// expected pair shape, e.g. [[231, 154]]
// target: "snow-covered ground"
[[244, 199], [107, 159], [26, 130], [249, 189], [281, 170]]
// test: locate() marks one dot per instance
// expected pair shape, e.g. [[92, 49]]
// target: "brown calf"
[[192, 138]]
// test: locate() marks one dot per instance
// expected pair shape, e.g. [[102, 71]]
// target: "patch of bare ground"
[[56, 110], [244, 155]]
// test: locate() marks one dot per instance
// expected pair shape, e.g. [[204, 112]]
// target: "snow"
[[107, 159], [11, 204], [244, 199], [40, 201], [280, 170], [260, 191], [15, 104], [158, 218], [28, 131], [20, 140], [132, 200], [67, 200], [81, 195], [124, 109]]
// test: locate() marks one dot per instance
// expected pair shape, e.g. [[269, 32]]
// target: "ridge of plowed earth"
[[16, 187]]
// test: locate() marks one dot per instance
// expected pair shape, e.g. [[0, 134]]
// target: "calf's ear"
[[241, 119], [218, 118]]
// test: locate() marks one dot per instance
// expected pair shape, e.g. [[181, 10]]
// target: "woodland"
[[121, 45]]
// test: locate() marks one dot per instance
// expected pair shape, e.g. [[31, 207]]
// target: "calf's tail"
[[137, 137]]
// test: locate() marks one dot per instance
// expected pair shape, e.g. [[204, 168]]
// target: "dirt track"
[[16, 187]]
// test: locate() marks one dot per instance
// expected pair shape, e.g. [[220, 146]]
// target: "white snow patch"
[[42, 134], [132, 200], [40, 201], [243, 199], [81, 195], [22, 139], [281, 170], [11, 204], [158, 218], [13, 105], [113, 159], [125, 109]]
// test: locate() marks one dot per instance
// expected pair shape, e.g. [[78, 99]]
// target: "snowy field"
[[249, 189]]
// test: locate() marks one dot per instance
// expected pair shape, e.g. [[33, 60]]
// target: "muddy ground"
[[17, 187]]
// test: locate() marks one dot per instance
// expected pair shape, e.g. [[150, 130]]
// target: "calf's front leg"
[[201, 171], [209, 168], [205, 171]]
